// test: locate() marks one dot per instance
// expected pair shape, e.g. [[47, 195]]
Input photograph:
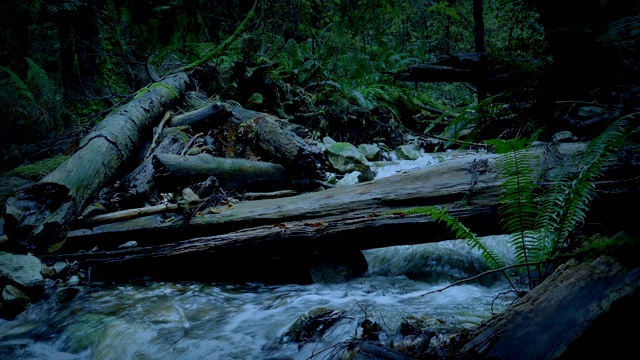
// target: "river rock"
[[61, 268], [345, 158], [350, 179], [14, 302], [23, 271], [370, 151], [407, 152]]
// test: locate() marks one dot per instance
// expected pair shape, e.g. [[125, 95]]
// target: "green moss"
[[623, 246], [142, 91], [174, 93], [38, 170]]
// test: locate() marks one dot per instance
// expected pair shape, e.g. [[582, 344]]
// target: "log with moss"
[[173, 172], [272, 139], [335, 220], [37, 218]]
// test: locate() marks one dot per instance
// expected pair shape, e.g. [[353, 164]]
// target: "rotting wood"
[[340, 218], [38, 217], [172, 172], [212, 114], [272, 141]]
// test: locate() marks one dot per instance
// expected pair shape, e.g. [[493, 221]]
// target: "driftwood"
[[344, 218], [38, 217], [173, 172]]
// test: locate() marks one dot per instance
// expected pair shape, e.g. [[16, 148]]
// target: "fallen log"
[[172, 172], [38, 217], [580, 311], [212, 114], [272, 141], [338, 219]]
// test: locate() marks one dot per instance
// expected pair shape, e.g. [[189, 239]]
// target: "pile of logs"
[[192, 199]]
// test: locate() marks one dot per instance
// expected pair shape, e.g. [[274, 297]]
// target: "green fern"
[[39, 83], [566, 204], [518, 208], [18, 85]]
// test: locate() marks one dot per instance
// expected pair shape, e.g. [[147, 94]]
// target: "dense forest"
[[279, 82], [334, 66]]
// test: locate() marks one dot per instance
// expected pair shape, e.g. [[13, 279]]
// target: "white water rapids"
[[161, 320]]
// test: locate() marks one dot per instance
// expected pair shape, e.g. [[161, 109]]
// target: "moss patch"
[[38, 170]]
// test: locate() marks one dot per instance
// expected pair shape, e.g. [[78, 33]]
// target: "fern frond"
[[41, 84], [568, 202], [441, 215], [18, 85]]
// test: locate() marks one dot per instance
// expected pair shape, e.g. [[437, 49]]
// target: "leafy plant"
[[540, 220]]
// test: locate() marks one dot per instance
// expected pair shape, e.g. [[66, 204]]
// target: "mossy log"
[[173, 172], [338, 219], [38, 217]]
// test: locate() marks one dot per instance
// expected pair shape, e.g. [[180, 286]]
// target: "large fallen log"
[[338, 219], [38, 217], [580, 311]]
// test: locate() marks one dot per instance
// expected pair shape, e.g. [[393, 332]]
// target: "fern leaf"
[[20, 87]]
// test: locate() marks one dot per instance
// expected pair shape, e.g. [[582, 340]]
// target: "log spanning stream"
[[195, 320]]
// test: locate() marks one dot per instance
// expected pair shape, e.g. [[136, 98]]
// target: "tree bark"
[[214, 112], [339, 219], [38, 217], [272, 141], [174, 172]]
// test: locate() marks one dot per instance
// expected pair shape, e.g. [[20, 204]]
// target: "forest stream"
[[188, 320]]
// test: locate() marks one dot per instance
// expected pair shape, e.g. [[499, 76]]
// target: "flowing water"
[[161, 320]]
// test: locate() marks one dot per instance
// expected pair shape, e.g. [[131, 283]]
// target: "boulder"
[[407, 152], [345, 158], [371, 152], [22, 271]]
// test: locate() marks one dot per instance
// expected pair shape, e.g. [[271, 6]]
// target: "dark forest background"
[[331, 65]]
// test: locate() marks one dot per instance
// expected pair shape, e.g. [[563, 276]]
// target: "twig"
[[193, 139], [166, 117], [482, 274]]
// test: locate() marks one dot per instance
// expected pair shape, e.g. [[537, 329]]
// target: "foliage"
[[31, 108], [540, 220], [38, 170]]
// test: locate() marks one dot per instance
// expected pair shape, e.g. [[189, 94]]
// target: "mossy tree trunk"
[[38, 217]]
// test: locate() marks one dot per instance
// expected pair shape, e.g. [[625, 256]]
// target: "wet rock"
[[350, 179], [61, 268], [66, 294], [346, 158], [337, 268], [407, 152], [23, 271], [14, 302], [47, 272], [371, 152], [73, 281]]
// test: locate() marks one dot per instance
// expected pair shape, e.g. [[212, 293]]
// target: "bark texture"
[[38, 217]]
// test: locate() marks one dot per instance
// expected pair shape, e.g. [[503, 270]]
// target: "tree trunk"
[[38, 217], [174, 172], [335, 220]]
